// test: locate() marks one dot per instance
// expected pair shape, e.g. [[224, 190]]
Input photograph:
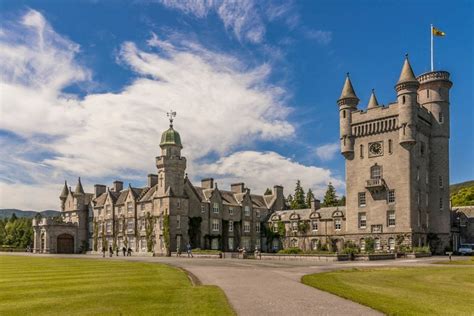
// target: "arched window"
[[391, 244], [375, 172], [403, 99], [377, 243]]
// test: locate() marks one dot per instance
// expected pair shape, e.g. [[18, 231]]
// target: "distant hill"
[[7, 213], [462, 194]]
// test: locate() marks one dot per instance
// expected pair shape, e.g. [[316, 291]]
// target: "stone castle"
[[397, 187]]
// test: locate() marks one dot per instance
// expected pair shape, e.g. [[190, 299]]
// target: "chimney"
[[237, 187], [278, 191], [207, 183], [315, 204], [118, 186], [99, 189], [152, 180]]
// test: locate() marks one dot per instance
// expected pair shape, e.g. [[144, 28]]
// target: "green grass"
[[64, 286], [403, 291], [458, 262]]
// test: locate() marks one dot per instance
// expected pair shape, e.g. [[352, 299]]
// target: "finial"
[[373, 90], [171, 114], [406, 55], [347, 74]]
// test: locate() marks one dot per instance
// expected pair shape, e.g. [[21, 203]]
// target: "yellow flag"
[[438, 32]]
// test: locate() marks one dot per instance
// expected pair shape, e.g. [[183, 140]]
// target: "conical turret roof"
[[407, 74], [79, 189], [348, 90], [65, 191], [373, 103]]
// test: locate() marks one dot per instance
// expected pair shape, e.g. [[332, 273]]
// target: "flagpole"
[[431, 29]]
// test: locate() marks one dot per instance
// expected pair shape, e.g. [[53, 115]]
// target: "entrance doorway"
[[65, 243]]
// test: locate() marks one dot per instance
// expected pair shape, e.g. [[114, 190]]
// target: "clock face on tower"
[[375, 149]]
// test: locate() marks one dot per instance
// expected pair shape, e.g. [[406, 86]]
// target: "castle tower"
[[433, 95], [347, 104], [407, 87], [63, 196]]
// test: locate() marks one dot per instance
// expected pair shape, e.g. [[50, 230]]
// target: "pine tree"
[[309, 197], [299, 200], [268, 192], [342, 201], [289, 200], [330, 198]]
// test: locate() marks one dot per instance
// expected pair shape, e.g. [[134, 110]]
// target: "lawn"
[[64, 286], [461, 262], [403, 291]]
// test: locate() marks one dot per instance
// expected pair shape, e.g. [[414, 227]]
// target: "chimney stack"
[[237, 187], [315, 204], [207, 183], [152, 180], [118, 186], [99, 189]]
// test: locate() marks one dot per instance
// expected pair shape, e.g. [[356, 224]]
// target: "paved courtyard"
[[256, 287]]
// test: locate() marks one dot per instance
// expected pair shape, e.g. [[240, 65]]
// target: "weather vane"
[[171, 114]]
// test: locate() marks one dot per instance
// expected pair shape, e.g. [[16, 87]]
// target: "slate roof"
[[467, 210]]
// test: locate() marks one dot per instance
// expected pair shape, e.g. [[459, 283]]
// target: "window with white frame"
[[247, 210], [231, 211], [337, 224], [129, 207], [362, 220], [119, 210], [108, 226], [215, 225], [108, 209], [391, 196], [375, 172], [246, 226], [178, 221], [257, 213], [231, 226], [362, 244], [377, 244], [314, 225], [99, 212], [294, 226], [391, 243], [257, 227], [130, 225], [215, 207], [362, 200], [391, 218]]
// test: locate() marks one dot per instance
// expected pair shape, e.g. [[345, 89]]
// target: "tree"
[[289, 200], [330, 198], [309, 197], [342, 201], [268, 192], [299, 200]]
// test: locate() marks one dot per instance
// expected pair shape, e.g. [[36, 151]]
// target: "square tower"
[[397, 163]]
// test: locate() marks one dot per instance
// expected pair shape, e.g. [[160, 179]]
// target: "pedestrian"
[[178, 252], [129, 252], [116, 251], [111, 251], [189, 249], [103, 251], [124, 250]]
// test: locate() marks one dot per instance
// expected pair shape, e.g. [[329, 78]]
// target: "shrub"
[[206, 251], [369, 245], [291, 251], [425, 249], [350, 248]]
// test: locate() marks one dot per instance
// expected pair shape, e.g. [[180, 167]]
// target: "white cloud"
[[261, 170], [327, 151], [322, 37]]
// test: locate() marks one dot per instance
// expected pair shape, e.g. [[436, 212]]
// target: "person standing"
[[111, 251], [103, 251], [189, 250], [124, 250]]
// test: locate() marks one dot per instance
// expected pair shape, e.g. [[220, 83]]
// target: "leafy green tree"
[[342, 201], [309, 197], [463, 197], [268, 192], [330, 198], [299, 200]]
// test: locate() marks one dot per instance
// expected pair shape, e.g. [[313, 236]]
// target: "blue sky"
[[86, 84]]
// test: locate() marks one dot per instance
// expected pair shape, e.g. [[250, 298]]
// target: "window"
[[247, 210], [257, 213], [422, 149], [440, 181], [390, 146], [129, 207], [314, 225], [427, 93], [440, 117], [143, 244], [108, 226], [257, 227], [361, 151], [107, 209], [231, 243], [403, 99], [314, 244], [275, 244], [344, 114], [294, 226], [178, 221], [142, 207], [231, 226], [203, 208], [391, 196], [215, 225], [131, 242], [377, 243], [391, 218], [247, 227], [275, 227], [362, 220], [417, 173], [120, 226], [441, 203], [231, 211], [375, 172], [362, 201], [294, 243], [99, 211], [337, 224], [391, 244], [160, 223], [130, 225], [215, 207], [362, 244], [178, 204], [119, 210]]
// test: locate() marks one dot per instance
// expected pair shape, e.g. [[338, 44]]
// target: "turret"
[[63, 196], [347, 104], [407, 87], [433, 94], [373, 103]]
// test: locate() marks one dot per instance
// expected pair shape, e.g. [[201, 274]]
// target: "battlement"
[[433, 76]]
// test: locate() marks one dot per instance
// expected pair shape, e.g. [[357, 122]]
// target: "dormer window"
[[247, 210], [215, 207]]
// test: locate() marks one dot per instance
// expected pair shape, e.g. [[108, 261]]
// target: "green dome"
[[171, 137]]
